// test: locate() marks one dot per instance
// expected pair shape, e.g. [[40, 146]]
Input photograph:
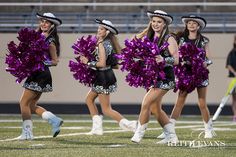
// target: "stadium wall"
[[68, 91]]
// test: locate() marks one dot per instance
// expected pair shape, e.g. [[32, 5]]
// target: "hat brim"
[[109, 27], [56, 21], [167, 17], [199, 20]]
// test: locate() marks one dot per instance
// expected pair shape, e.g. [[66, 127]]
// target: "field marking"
[[113, 121], [226, 123], [216, 129], [116, 145], [10, 127], [86, 133], [105, 121]]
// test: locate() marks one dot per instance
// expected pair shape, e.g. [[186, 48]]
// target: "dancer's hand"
[[186, 63], [84, 60], [205, 64], [159, 59], [100, 39], [47, 63]]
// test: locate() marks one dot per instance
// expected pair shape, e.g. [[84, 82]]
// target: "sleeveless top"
[[200, 43], [105, 81]]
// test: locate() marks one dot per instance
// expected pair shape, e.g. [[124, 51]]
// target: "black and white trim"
[[159, 13], [108, 25], [50, 17], [102, 90], [35, 87], [201, 21]]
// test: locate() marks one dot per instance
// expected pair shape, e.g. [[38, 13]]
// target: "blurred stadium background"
[[130, 18]]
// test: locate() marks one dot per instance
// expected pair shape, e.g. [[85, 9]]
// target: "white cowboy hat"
[[159, 13], [50, 17], [108, 25], [201, 21]]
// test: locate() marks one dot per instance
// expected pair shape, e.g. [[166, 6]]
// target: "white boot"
[[128, 125], [139, 133], [55, 122], [209, 132], [27, 133], [170, 135], [97, 128], [163, 134]]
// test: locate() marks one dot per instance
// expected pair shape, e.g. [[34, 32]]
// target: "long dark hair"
[[185, 34], [114, 41], [53, 34]]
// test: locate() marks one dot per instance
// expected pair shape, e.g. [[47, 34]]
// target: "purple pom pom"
[[81, 72], [138, 58], [190, 72], [28, 56]]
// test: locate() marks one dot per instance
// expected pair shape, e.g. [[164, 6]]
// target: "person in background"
[[231, 66]]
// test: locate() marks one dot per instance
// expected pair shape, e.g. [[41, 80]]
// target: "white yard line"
[[86, 133], [226, 123], [113, 121]]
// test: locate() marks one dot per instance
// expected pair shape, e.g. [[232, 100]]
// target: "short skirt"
[[204, 83], [169, 81], [105, 81], [40, 81]]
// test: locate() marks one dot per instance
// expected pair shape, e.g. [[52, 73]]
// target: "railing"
[[97, 4], [125, 22]]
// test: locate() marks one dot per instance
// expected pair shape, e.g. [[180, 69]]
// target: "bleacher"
[[129, 16]]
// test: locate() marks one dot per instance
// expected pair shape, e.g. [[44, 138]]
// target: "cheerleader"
[[192, 34], [105, 81], [158, 27], [41, 81]]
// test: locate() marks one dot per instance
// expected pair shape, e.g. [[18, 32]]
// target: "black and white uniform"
[[200, 43], [40, 81], [169, 81], [105, 81]]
